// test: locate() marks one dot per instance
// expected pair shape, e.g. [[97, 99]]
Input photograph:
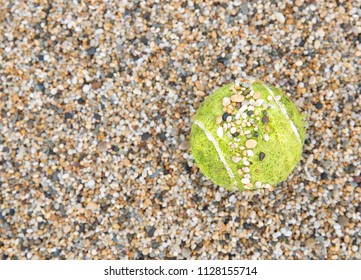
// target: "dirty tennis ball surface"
[[247, 135]]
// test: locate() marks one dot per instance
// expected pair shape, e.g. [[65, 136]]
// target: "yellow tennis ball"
[[247, 135]]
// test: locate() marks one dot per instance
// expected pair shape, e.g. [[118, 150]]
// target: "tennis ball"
[[247, 135]]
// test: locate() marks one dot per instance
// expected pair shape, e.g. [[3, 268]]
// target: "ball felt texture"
[[247, 135]]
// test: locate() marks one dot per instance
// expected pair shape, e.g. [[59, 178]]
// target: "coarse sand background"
[[96, 106]]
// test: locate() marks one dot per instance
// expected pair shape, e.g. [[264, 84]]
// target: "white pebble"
[[337, 226], [220, 132], [86, 88], [226, 101], [250, 153], [259, 102], [245, 181], [258, 185], [236, 159], [280, 17], [243, 108], [218, 196], [266, 137]]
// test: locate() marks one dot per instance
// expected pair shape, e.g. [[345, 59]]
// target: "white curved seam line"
[[283, 110], [216, 146]]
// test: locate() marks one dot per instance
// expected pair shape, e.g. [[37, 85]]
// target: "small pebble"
[[265, 120], [219, 119], [68, 116], [236, 159], [258, 185], [245, 181], [226, 101], [225, 116], [237, 98], [262, 156], [266, 137], [102, 146], [220, 132], [251, 143], [256, 95]]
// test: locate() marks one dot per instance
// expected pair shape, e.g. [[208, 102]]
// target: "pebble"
[[266, 137], [236, 159], [310, 242], [220, 132], [265, 120], [184, 146], [225, 116], [226, 101], [251, 143], [343, 221], [103, 146], [237, 98], [245, 181], [219, 119], [67, 229], [92, 206], [246, 169], [256, 96], [259, 103], [261, 156], [186, 253], [280, 17], [312, 80], [258, 185]]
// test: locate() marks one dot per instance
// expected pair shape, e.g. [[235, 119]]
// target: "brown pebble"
[[343, 221], [251, 143], [229, 109], [310, 242], [237, 98], [102, 146], [92, 206], [184, 145], [256, 95], [357, 179], [219, 119], [265, 120], [96, 85]]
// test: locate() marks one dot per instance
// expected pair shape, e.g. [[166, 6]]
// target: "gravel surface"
[[96, 105]]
